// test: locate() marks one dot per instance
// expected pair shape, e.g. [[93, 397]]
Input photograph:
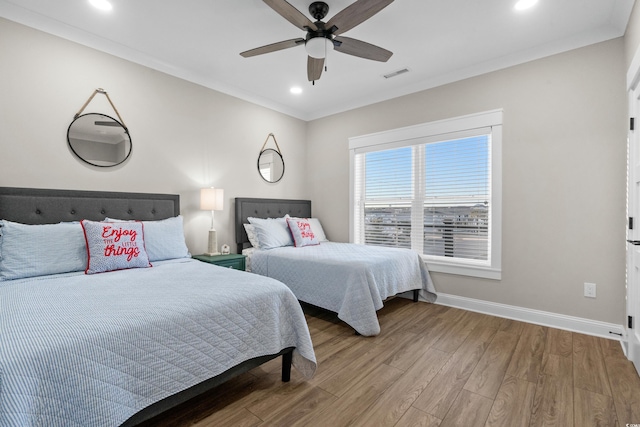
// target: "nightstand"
[[234, 261]]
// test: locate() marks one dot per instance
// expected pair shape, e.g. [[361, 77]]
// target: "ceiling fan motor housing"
[[318, 9]]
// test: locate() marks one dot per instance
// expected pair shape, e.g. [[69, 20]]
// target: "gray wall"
[[564, 149], [184, 136]]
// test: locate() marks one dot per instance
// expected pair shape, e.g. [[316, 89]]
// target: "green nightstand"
[[234, 261]]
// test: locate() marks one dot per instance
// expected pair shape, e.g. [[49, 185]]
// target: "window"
[[434, 188]]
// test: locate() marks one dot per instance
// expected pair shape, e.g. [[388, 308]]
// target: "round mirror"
[[99, 140], [270, 165]]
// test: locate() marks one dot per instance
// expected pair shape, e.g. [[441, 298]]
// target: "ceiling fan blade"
[[362, 49], [314, 68], [355, 14], [273, 47], [291, 14]]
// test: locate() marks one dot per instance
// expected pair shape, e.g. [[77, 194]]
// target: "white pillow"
[[252, 234], [317, 230], [38, 250], [164, 239], [272, 232]]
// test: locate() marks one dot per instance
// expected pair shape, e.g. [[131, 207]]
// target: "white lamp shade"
[[212, 199], [318, 47]]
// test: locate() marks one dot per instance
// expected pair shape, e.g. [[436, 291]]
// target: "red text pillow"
[[301, 232], [114, 246]]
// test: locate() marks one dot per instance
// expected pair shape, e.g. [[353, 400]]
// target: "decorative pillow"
[[302, 232], [272, 232], [317, 230], [252, 234], [38, 250], [163, 239], [114, 246]]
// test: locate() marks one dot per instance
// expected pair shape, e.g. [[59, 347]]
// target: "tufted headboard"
[[266, 208], [44, 206]]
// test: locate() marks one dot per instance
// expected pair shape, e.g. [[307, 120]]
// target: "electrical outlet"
[[590, 290]]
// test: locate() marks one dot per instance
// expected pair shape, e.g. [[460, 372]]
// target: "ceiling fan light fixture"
[[317, 47]]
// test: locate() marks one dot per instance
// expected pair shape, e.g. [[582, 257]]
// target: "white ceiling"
[[439, 41]]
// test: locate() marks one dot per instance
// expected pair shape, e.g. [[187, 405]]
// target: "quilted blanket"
[[349, 279], [79, 350]]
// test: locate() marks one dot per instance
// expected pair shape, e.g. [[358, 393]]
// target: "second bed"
[[349, 279]]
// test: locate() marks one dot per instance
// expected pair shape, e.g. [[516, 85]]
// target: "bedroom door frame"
[[633, 207]]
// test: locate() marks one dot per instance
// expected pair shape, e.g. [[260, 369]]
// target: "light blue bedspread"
[[349, 279], [79, 350]]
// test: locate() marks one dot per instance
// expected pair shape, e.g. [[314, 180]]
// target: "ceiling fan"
[[322, 37]]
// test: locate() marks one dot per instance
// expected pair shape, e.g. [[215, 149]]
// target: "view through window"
[[453, 202], [433, 194]]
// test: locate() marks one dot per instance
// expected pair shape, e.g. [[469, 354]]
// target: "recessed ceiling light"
[[296, 90], [101, 4], [525, 4]]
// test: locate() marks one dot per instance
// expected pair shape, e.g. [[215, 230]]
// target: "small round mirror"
[[99, 140], [270, 165]]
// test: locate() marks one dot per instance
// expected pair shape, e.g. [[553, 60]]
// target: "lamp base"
[[213, 244]]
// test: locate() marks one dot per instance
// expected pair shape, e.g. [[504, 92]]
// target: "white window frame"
[[442, 130]]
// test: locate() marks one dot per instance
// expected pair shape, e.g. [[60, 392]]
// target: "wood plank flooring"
[[432, 366]]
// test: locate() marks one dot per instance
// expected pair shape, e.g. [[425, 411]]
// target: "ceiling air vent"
[[396, 73]]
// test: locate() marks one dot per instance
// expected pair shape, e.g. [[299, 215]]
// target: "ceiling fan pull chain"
[[326, 58]]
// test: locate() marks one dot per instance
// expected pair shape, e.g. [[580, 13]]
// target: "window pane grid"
[[451, 209], [457, 229], [388, 225]]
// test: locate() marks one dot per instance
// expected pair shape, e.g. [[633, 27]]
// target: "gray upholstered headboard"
[[266, 208], [44, 206]]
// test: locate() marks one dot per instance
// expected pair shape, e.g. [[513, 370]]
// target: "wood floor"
[[432, 366]]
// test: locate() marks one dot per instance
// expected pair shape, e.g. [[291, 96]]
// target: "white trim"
[[485, 119], [633, 176], [419, 140], [538, 317], [633, 73], [487, 122], [461, 269], [495, 251]]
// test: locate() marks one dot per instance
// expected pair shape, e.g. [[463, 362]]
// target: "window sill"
[[463, 270]]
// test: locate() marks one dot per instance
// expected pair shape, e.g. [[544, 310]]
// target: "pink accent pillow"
[[301, 232], [114, 246]]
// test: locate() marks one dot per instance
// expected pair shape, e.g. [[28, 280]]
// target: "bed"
[[348, 279], [120, 347]]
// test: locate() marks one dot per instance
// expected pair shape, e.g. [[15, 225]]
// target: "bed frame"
[[44, 206]]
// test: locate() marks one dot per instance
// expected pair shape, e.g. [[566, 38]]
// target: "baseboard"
[[538, 317]]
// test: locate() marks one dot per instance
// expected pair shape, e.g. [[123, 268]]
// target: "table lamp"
[[212, 199]]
